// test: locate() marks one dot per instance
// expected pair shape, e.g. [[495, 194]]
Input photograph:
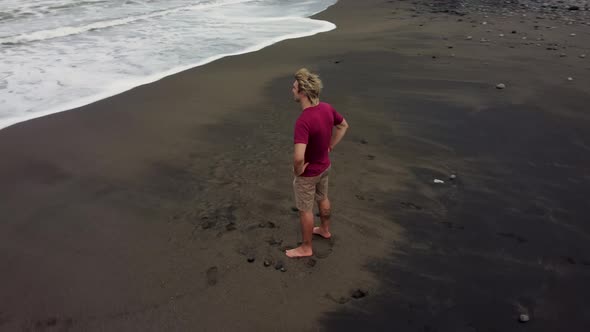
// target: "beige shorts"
[[310, 189]]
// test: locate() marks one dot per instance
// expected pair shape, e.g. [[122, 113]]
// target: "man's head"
[[307, 85]]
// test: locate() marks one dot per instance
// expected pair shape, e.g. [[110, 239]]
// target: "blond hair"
[[310, 84]]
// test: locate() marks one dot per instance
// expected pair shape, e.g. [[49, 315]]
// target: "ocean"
[[61, 54]]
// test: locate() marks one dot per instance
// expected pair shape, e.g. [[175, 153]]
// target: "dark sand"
[[139, 212]]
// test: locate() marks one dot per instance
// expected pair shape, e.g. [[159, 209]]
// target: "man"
[[313, 139]]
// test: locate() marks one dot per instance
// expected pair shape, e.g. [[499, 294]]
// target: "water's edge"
[[123, 86]]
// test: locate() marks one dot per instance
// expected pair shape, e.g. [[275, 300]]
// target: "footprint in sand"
[[322, 248], [212, 275]]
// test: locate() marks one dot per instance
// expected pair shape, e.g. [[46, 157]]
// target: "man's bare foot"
[[299, 252], [319, 231]]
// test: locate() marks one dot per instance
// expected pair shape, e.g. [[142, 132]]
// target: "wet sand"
[[141, 212]]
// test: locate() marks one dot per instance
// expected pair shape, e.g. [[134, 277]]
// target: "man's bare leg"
[[325, 213], [304, 250]]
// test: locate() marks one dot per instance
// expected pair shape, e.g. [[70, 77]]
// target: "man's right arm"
[[338, 133]]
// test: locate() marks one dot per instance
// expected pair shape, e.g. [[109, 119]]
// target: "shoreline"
[[132, 84]]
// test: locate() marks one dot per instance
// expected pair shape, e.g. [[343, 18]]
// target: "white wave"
[[73, 30], [55, 75]]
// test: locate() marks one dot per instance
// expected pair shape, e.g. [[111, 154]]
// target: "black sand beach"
[[141, 212]]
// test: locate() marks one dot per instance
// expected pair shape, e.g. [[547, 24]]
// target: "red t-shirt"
[[314, 128]]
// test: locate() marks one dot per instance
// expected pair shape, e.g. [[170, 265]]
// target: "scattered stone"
[[524, 38], [570, 79], [364, 141], [270, 224], [582, 56], [251, 258], [450, 46], [371, 157], [267, 263], [358, 293], [484, 23], [279, 265], [311, 262], [562, 55], [523, 318], [469, 38], [513, 31], [501, 86], [434, 56], [283, 269], [572, 34], [452, 177], [438, 181], [337, 61], [501, 35], [261, 225], [552, 48], [574, 8]]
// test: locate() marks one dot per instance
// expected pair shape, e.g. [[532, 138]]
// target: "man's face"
[[295, 91]]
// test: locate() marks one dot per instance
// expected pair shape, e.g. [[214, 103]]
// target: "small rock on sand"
[[572, 34], [523, 318], [251, 258], [501, 86], [267, 262], [364, 141], [570, 78], [279, 265], [311, 262], [582, 56], [358, 293], [469, 38]]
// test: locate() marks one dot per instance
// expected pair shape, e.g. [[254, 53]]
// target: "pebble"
[[501, 86], [358, 293], [484, 23], [251, 259], [452, 176], [582, 56], [469, 38], [570, 79], [524, 318], [572, 34], [438, 181], [501, 35], [279, 265], [311, 262], [283, 269], [364, 141], [267, 262], [562, 55]]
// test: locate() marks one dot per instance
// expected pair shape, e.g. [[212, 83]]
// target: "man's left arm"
[[299, 164]]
